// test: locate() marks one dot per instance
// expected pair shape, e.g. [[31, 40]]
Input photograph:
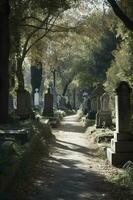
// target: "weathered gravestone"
[[48, 105], [121, 149], [24, 110], [103, 116], [95, 101], [36, 98]]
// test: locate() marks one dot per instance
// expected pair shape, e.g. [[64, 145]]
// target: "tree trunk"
[[4, 59], [74, 98], [20, 75], [65, 88]]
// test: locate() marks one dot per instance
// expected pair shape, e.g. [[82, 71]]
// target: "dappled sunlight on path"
[[72, 171]]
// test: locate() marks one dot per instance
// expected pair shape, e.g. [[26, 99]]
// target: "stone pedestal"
[[121, 149], [95, 101]]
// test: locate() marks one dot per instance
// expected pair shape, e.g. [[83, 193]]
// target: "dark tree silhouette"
[[4, 54]]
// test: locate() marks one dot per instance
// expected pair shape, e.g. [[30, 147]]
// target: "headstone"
[[95, 101], [24, 110], [121, 149], [103, 116], [48, 105], [36, 97]]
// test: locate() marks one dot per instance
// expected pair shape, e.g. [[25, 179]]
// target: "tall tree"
[[32, 20], [4, 53]]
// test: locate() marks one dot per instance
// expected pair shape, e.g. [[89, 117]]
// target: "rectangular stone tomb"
[[20, 135]]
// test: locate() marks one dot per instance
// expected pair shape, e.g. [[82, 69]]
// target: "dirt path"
[[75, 171]]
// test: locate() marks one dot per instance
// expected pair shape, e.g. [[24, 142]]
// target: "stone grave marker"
[[95, 100], [121, 149], [48, 105], [24, 110], [36, 98], [103, 117]]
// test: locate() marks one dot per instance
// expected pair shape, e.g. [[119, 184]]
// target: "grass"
[[124, 176], [19, 164]]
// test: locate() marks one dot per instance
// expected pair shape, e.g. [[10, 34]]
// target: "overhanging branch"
[[119, 13]]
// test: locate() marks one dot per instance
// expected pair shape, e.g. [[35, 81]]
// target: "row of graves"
[[121, 150], [23, 109], [97, 107], [25, 105]]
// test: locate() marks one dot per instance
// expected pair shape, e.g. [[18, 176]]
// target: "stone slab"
[[122, 146], [118, 159]]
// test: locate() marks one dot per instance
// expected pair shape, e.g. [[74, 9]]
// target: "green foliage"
[[87, 122], [19, 164], [60, 114], [69, 112], [99, 59], [122, 65], [124, 177], [30, 21]]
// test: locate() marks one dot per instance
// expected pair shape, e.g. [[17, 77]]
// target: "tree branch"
[[119, 13], [41, 37], [30, 36]]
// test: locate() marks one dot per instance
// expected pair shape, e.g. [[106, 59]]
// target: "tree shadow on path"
[[68, 174], [68, 182]]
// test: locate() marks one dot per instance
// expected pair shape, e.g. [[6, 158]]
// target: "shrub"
[[19, 164]]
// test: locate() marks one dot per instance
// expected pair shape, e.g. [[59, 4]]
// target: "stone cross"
[[36, 97]]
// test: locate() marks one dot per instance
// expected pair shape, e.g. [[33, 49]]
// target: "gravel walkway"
[[74, 170]]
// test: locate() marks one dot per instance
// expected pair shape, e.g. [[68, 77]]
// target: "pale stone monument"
[[103, 117], [36, 98], [48, 105], [121, 149]]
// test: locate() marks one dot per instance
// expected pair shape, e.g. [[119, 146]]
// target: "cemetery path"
[[74, 170]]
